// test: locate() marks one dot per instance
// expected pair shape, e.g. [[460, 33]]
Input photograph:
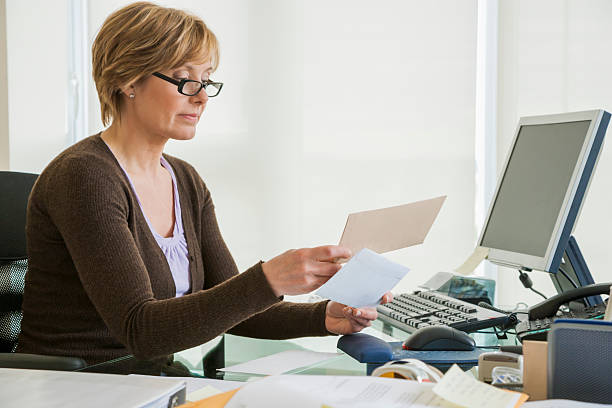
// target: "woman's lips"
[[190, 116]]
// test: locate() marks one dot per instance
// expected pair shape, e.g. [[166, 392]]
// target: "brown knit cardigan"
[[98, 285]]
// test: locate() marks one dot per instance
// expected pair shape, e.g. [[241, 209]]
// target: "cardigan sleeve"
[[91, 210]]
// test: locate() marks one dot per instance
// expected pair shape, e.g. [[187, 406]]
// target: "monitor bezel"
[[543, 263]]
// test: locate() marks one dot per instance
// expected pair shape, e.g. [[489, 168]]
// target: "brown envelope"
[[391, 228]]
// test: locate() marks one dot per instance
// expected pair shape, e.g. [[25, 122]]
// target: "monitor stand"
[[575, 267]]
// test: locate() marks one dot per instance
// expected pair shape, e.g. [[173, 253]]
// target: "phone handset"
[[549, 307]]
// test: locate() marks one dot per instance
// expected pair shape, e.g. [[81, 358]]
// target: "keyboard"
[[412, 311], [538, 329]]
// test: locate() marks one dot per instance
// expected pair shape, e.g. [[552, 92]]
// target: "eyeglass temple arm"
[[166, 78]]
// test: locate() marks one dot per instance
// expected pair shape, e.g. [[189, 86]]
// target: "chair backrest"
[[15, 190]]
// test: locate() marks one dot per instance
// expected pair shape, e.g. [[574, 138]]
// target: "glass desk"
[[206, 359]]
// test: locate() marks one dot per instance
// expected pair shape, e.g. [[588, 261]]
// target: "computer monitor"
[[541, 189]]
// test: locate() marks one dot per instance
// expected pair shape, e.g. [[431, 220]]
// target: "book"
[[46, 388]]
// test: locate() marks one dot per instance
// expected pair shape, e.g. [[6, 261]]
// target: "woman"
[[125, 254]]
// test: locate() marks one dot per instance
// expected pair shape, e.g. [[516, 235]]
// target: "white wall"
[[335, 107], [327, 108], [37, 75], [554, 57], [4, 131]]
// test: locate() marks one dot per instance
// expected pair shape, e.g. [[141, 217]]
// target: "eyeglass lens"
[[193, 87]]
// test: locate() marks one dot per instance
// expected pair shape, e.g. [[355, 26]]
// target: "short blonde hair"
[[143, 38]]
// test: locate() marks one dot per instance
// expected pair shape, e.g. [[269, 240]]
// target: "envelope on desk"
[[391, 228]]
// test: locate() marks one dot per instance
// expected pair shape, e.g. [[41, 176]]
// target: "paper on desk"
[[391, 228], [204, 392], [280, 362], [363, 280], [316, 391], [463, 389], [470, 264], [199, 388]]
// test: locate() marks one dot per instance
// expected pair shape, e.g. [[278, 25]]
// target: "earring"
[[132, 96]]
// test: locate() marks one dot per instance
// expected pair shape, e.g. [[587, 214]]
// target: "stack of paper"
[[457, 389]]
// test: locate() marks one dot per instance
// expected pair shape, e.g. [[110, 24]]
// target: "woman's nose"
[[201, 96]]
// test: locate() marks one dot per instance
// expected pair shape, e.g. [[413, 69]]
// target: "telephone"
[[541, 316]]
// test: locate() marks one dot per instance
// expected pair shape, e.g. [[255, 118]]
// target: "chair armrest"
[[41, 362]]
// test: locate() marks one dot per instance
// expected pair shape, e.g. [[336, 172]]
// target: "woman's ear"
[[128, 90]]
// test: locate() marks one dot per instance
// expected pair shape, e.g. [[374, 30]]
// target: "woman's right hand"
[[299, 271]]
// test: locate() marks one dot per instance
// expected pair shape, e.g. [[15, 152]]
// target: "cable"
[[508, 331], [519, 304], [538, 292], [488, 306], [568, 278], [510, 323], [527, 283]]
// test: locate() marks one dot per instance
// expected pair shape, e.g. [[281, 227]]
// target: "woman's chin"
[[184, 135]]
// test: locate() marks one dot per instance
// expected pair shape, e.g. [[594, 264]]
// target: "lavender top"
[[174, 247]]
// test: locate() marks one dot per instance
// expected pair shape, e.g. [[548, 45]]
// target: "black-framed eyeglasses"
[[190, 87]]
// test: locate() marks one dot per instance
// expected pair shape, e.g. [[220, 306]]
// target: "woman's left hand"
[[342, 319]]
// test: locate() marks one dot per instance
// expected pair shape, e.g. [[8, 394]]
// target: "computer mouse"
[[439, 338]]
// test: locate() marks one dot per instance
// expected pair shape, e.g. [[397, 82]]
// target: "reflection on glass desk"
[[206, 359], [487, 338]]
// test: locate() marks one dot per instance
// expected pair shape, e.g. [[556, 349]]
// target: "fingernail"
[[358, 313]]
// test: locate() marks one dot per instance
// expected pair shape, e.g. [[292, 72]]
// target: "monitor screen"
[[531, 193]]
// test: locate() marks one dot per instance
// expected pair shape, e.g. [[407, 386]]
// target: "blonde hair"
[[143, 38]]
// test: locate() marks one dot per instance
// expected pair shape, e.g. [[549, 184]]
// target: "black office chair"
[[15, 189]]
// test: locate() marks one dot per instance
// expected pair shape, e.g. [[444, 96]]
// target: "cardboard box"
[[535, 359]]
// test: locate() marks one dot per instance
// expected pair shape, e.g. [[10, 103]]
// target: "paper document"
[[199, 388], [204, 392], [391, 228], [281, 362], [363, 280], [465, 390], [316, 391], [470, 264]]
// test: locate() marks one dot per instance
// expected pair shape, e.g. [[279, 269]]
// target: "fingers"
[[362, 316], [387, 298], [326, 269], [330, 253]]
